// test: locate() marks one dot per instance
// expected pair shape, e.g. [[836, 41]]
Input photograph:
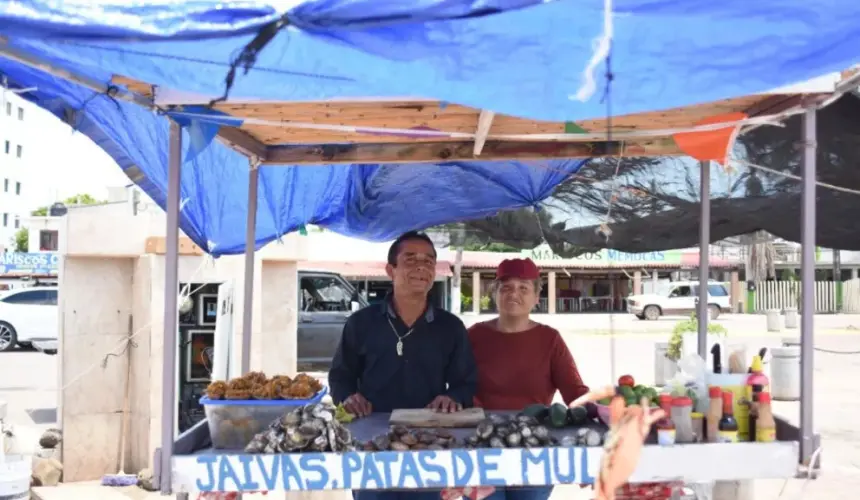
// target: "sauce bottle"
[[665, 426], [728, 426], [756, 379], [715, 413], [765, 431], [682, 417]]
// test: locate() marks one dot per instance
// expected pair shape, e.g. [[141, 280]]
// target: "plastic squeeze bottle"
[[715, 413], [765, 431]]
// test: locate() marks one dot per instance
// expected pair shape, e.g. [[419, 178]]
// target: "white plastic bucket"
[[785, 373], [791, 318], [773, 320], [15, 472]]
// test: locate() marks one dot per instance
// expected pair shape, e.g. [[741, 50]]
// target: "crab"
[[628, 429]]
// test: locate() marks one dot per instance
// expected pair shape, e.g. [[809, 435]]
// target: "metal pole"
[[807, 282], [704, 253], [250, 248], [171, 317]]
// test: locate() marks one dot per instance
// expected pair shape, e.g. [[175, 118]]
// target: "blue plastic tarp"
[[528, 60], [375, 202], [519, 57]]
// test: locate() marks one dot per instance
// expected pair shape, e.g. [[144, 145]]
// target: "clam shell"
[[540, 432], [496, 419], [532, 442], [381, 442], [409, 439], [514, 439], [399, 446], [485, 429], [526, 431], [526, 419], [426, 438], [398, 430], [496, 442]]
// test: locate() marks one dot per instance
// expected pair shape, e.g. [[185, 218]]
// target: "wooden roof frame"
[[416, 130], [292, 143]]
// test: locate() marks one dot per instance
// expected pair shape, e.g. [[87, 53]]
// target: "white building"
[[15, 164]]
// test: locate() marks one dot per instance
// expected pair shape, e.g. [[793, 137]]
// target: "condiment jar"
[[682, 417]]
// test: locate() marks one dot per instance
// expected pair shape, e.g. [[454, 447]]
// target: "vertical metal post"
[[250, 248], [704, 254], [171, 317], [807, 282]]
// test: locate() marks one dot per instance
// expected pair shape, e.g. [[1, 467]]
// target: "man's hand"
[[445, 404], [358, 405]]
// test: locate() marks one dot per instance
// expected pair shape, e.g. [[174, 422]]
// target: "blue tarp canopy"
[[525, 58]]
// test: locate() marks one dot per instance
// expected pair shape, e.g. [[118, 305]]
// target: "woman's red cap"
[[523, 269]]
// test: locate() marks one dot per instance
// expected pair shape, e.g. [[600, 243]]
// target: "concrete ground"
[[28, 382]]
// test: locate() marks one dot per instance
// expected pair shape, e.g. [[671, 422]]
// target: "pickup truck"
[[326, 300], [679, 297]]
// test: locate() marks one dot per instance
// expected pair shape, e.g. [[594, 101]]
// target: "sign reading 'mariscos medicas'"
[[45, 263], [385, 470]]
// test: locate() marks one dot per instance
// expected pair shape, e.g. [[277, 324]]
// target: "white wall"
[[14, 171]]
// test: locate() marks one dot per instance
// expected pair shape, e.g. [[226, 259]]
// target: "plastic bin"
[[15, 472], [232, 423]]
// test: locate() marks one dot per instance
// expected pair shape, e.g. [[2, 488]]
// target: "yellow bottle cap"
[[756, 364]]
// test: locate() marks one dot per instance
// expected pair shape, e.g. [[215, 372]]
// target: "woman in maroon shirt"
[[521, 362]]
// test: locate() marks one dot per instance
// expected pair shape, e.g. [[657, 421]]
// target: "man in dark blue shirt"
[[403, 352]]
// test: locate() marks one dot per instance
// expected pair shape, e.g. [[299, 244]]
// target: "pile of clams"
[[400, 438], [521, 431], [312, 427]]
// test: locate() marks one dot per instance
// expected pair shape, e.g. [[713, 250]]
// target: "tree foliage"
[[78, 199]]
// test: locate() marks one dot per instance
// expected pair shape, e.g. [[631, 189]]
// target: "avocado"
[[558, 415], [538, 412], [577, 415]]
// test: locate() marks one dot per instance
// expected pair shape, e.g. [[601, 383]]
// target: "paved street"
[[28, 381]]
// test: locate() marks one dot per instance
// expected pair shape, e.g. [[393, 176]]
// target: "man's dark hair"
[[394, 249]]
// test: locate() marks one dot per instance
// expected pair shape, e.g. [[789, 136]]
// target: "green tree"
[[78, 199], [22, 240]]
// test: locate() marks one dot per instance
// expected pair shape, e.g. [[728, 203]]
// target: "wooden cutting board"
[[469, 417]]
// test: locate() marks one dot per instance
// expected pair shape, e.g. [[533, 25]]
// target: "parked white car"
[[28, 316], [680, 297]]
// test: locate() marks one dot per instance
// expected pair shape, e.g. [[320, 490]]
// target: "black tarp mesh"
[[656, 200]]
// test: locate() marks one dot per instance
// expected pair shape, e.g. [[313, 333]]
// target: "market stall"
[[327, 123]]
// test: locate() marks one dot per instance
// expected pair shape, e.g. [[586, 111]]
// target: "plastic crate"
[[233, 423]]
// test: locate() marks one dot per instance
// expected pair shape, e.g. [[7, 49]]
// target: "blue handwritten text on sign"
[[386, 470]]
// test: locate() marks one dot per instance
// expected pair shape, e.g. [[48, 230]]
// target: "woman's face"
[[516, 297]]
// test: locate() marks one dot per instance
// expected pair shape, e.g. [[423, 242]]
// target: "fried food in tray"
[[255, 385]]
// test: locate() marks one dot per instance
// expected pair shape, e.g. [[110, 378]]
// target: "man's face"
[[415, 269]]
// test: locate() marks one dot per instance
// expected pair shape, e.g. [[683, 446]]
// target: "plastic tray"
[[233, 423]]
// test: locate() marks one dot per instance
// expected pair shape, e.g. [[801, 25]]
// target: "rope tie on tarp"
[[247, 57], [77, 116]]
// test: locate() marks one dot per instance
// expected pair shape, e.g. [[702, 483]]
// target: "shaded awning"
[[364, 269]]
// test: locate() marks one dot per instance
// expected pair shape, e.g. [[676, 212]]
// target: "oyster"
[[310, 428]]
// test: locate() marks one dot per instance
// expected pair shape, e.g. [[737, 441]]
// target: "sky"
[[65, 163]]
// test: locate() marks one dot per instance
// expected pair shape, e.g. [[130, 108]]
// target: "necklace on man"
[[400, 338]]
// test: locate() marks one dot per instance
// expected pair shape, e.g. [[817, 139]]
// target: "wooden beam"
[[485, 121], [436, 152], [243, 142], [158, 245]]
